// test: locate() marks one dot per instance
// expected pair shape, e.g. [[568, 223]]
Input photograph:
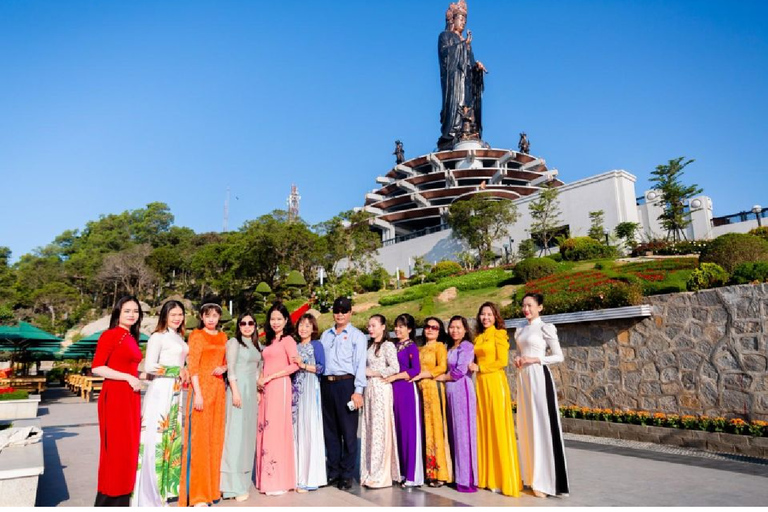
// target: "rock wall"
[[700, 353]]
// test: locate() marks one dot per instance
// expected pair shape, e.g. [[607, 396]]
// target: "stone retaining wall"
[[711, 441], [700, 353]]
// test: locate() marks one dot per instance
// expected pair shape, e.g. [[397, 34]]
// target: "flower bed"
[[13, 394], [17, 404], [736, 426]]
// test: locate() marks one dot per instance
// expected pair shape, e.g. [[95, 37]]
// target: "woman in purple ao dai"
[[407, 405], [462, 405]]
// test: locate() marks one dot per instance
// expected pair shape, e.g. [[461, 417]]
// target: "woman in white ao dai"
[[540, 437]]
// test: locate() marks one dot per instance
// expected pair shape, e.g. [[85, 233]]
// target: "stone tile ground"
[[603, 473]]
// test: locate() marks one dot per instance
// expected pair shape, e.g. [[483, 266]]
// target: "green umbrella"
[[25, 336]]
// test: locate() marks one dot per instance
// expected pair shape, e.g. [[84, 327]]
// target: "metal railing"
[[738, 217], [415, 234]]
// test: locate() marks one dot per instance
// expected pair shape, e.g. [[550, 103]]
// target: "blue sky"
[[107, 106]]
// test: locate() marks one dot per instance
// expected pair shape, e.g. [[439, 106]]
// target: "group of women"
[[424, 419], [434, 425]]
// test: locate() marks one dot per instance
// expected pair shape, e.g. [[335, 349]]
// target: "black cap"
[[342, 305]]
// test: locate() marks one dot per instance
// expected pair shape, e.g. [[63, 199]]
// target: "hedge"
[[731, 249]]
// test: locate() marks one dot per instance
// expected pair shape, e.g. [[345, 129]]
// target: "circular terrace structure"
[[415, 195]]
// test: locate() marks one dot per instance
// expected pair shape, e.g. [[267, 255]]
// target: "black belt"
[[334, 378]]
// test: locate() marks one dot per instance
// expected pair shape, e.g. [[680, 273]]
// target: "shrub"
[[295, 279], [371, 282], [535, 268], [731, 249], [557, 257], [443, 269], [708, 275], [412, 293], [750, 272], [526, 249], [13, 394], [761, 232], [684, 247], [263, 288], [649, 246], [585, 248]]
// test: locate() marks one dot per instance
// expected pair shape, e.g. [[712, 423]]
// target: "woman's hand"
[[296, 359], [184, 376], [236, 400], [518, 362], [198, 404], [261, 382], [392, 378], [134, 383], [526, 361], [443, 378], [219, 370], [473, 367]]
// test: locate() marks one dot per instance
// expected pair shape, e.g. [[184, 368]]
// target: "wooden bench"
[[36, 384], [91, 384], [75, 383]]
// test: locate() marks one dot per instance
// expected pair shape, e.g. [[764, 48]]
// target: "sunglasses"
[[337, 311], [250, 323], [431, 328]]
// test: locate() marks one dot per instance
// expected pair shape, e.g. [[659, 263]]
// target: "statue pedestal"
[[470, 144]]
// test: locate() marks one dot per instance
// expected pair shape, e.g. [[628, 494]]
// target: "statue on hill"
[[461, 79], [524, 145], [399, 152]]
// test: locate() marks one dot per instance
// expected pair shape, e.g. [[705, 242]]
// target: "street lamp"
[[757, 210]]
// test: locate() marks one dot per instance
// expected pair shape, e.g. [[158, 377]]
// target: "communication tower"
[[293, 203]]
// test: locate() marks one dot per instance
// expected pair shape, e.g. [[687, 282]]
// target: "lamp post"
[[757, 210]]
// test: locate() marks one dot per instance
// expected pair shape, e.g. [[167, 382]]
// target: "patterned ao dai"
[[379, 463], [434, 359], [308, 419], [159, 470]]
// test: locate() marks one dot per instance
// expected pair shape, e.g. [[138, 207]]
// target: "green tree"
[[626, 231], [674, 195], [545, 215], [421, 268], [479, 221], [596, 228], [348, 236]]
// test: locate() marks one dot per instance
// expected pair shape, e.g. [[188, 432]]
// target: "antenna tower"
[[293, 203], [225, 224]]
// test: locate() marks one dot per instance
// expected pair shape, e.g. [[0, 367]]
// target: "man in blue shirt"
[[343, 383]]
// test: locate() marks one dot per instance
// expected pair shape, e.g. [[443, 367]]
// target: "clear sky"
[[107, 106]]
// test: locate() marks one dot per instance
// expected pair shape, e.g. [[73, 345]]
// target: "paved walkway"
[[603, 473]]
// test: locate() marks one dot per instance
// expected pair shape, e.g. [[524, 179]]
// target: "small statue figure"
[[468, 126], [399, 153], [524, 146]]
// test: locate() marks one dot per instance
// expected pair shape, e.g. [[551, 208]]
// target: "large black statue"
[[461, 79]]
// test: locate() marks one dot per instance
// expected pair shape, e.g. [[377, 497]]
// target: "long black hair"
[[442, 336], [287, 330], [467, 331], [384, 337], [254, 336], [162, 321], [114, 320]]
